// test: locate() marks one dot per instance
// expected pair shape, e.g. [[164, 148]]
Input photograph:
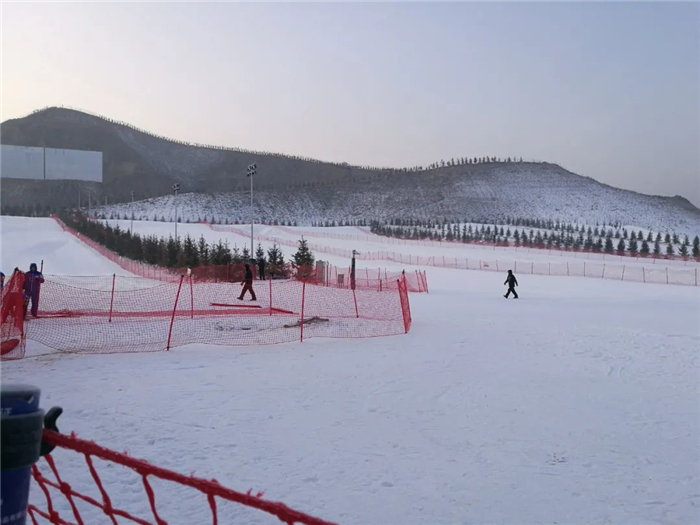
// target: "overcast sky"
[[607, 90]]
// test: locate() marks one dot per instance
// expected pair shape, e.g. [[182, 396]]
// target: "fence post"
[[623, 272], [584, 268], [172, 319], [667, 275], [567, 268], [303, 296], [603, 271], [111, 302], [644, 274], [532, 268], [357, 312], [189, 271], [549, 270], [696, 276], [270, 281]]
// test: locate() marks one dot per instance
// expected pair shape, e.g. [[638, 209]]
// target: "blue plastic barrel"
[[20, 447]]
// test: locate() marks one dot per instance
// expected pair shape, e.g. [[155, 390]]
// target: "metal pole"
[[251, 217]]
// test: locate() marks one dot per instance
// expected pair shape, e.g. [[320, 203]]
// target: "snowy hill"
[[295, 188]]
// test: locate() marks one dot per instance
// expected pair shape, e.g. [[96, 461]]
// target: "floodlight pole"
[[251, 172], [132, 213], [176, 188]]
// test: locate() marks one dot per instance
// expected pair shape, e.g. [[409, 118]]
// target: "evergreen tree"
[[303, 259], [608, 245], [203, 250], [633, 245], [667, 238], [669, 249], [657, 247], [245, 254], [645, 248], [259, 253], [649, 237], [696, 247], [621, 247], [190, 255], [684, 250]]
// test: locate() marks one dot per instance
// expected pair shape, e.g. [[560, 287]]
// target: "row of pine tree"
[[183, 252], [573, 237]]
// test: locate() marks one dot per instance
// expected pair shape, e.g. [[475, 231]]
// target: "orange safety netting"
[[210, 490], [12, 336], [130, 314]]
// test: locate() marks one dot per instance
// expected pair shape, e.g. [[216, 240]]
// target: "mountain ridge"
[[143, 162]]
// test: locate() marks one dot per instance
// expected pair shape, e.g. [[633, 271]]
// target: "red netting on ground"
[[12, 337], [127, 314], [65, 505]]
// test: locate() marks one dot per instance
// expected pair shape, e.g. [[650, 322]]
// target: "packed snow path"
[[577, 403]]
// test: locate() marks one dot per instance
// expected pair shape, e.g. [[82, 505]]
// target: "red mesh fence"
[[65, 505], [687, 276], [12, 337], [328, 275], [128, 314], [148, 271], [364, 236]]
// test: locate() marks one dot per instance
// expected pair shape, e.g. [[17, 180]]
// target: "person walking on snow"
[[261, 269], [512, 282], [247, 284], [32, 286]]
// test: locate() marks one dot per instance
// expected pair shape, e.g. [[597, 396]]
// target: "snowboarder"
[[247, 284], [32, 286], [261, 269], [512, 282]]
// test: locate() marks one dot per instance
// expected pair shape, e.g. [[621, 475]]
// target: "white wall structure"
[[20, 162], [68, 164]]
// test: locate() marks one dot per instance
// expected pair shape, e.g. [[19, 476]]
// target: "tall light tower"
[[176, 188], [252, 171], [132, 213]]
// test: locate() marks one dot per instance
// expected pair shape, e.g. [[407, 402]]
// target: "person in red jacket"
[[33, 280]]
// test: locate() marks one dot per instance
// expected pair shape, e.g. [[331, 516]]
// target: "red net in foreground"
[[76, 507], [126, 314], [12, 340]]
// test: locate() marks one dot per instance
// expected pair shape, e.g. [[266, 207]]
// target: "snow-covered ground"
[[577, 403]]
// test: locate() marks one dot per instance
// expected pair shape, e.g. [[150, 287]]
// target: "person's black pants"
[[511, 289], [247, 287]]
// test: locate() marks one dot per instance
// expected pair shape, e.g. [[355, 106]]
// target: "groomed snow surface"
[[577, 403]]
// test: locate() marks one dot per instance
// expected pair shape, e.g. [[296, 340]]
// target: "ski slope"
[[575, 404]]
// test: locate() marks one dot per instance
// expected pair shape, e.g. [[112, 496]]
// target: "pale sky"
[[607, 90]]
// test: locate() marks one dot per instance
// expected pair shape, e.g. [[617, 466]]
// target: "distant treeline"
[[539, 233], [183, 252]]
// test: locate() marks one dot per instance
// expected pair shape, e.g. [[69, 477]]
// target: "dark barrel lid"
[[21, 425], [17, 398]]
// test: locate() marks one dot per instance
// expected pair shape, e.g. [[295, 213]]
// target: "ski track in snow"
[[575, 404]]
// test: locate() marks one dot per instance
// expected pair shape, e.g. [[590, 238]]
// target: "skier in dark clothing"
[[261, 269], [32, 286], [247, 284], [512, 282]]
